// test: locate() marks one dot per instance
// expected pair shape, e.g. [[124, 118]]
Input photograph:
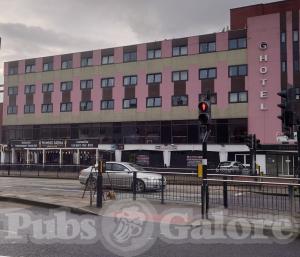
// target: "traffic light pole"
[[254, 156], [204, 189]]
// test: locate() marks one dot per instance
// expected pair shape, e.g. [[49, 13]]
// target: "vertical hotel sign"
[[263, 70]]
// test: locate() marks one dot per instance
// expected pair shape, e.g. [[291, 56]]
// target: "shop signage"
[[91, 143], [52, 143], [24, 144], [193, 160], [166, 147], [263, 70]]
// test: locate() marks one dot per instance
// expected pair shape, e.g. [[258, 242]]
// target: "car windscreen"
[[137, 167], [224, 164]]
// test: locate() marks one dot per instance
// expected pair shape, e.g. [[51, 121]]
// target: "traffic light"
[[257, 144], [286, 105], [249, 141], [204, 112]]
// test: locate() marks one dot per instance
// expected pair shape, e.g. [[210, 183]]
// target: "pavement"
[[67, 194]]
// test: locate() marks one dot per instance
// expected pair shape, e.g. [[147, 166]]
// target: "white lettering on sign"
[[263, 58], [263, 94], [263, 107], [263, 70]]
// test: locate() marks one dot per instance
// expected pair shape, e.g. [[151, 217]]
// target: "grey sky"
[[34, 28]]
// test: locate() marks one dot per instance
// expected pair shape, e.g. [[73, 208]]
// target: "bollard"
[[225, 193], [162, 190], [134, 186]]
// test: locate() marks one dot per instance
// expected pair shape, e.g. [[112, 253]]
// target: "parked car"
[[120, 175], [232, 168]]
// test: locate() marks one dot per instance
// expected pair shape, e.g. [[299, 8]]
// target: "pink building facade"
[[144, 97]]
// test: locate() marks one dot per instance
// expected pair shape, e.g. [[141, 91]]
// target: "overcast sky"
[[34, 28]]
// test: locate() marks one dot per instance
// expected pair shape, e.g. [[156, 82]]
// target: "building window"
[[154, 78], [86, 106], [238, 97], [29, 68], [107, 104], [107, 82], [47, 108], [238, 43], [179, 50], [296, 65], [180, 75], [108, 59], [180, 100], [47, 87], [29, 108], [29, 89], [66, 64], [213, 98], [66, 86], [238, 70], [129, 103], [283, 37], [153, 102], [130, 80], [210, 73], [283, 66], [297, 96], [154, 54], [87, 61], [12, 90], [207, 47], [295, 36], [12, 109], [66, 107], [86, 84], [13, 70], [129, 57], [48, 66]]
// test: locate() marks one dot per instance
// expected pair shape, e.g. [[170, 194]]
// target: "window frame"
[[238, 97], [202, 97], [107, 79], [132, 56], [30, 110], [207, 73], [110, 59], [207, 44], [47, 85], [89, 62], [12, 107], [88, 103], [154, 53], [107, 105], [154, 98], [68, 66], [47, 111], [180, 50], [69, 86], [14, 89], [180, 75], [130, 79], [31, 68], [66, 104], [50, 66], [130, 99], [238, 70], [30, 90], [88, 84], [154, 78], [238, 43], [187, 101]]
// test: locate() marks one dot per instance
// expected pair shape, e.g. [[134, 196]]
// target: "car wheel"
[[140, 186]]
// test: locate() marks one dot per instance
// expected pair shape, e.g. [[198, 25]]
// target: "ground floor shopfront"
[[272, 161]]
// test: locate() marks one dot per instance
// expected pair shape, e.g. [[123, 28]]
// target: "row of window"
[[151, 102], [209, 73], [206, 47]]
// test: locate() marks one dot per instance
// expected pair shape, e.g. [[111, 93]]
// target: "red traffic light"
[[203, 107]]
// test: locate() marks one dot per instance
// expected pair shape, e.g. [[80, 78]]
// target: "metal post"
[[254, 155], [225, 193], [204, 189], [99, 185], [134, 186], [291, 198], [298, 157], [162, 190]]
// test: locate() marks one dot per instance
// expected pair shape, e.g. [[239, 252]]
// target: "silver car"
[[232, 168], [120, 175]]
